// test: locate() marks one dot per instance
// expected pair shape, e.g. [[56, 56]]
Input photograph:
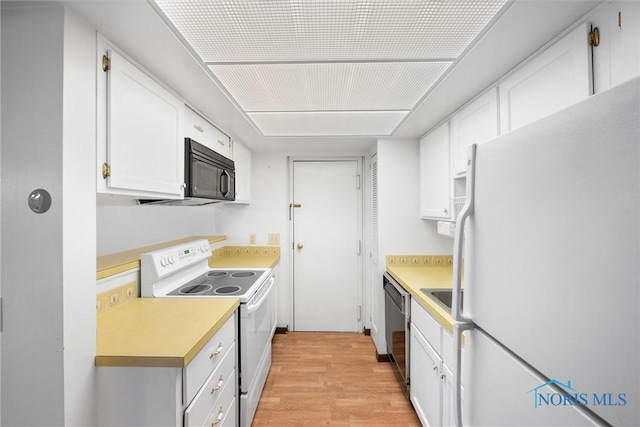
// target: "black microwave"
[[209, 177]]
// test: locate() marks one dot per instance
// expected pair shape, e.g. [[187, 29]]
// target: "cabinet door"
[[435, 182], [474, 124], [144, 134], [624, 18], [426, 384], [448, 401], [202, 131], [557, 78], [242, 160]]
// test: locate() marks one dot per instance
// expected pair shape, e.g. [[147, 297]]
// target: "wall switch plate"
[[252, 239], [274, 239]]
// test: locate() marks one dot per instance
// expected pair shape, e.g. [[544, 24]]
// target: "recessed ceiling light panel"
[[336, 86], [328, 30], [348, 123]]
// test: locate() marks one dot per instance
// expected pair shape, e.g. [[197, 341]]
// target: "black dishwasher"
[[397, 307]]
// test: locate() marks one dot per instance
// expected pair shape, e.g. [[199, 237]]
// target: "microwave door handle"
[[224, 183]]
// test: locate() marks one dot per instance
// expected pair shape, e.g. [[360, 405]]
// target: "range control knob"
[[163, 262]]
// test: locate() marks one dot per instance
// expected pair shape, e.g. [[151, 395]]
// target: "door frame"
[[289, 241]]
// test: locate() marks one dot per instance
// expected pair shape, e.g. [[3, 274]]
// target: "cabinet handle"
[[217, 352], [218, 418], [217, 387]]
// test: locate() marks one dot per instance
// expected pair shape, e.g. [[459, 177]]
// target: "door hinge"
[[1, 314], [357, 182], [359, 247], [106, 170], [359, 312], [106, 63]]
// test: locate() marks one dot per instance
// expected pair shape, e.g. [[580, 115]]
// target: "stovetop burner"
[[227, 290]]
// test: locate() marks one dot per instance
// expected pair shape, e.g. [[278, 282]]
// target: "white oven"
[[182, 271]]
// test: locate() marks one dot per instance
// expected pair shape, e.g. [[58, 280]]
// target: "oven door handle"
[[253, 306]]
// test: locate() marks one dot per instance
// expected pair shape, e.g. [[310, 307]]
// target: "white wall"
[[267, 213], [48, 259], [400, 229], [123, 227]]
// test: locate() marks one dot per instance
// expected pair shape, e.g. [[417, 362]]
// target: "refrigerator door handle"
[[458, 329], [463, 322], [458, 242]]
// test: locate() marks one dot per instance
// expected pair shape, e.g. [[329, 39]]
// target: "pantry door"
[[326, 216]]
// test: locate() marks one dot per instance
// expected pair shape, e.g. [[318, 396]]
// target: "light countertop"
[[160, 332], [412, 278], [246, 261]]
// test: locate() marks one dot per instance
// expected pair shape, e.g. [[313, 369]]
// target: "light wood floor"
[[331, 379]]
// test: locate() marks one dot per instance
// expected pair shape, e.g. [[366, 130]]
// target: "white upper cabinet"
[[435, 182], [617, 58], [201, 130], [140, 126], [557, 78], [474, 124], [241, 156]]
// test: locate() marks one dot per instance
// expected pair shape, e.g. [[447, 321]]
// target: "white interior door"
[[327, 246]]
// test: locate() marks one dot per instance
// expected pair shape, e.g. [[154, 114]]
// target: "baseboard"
[[382, 357], [366, 332], [282, 329]]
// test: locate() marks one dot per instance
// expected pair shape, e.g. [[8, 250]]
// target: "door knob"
[[299, 246]]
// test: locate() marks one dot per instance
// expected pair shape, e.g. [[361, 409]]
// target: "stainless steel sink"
[[442, 297]]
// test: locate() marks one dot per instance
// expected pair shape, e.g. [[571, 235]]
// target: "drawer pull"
[[217, 352], [218, 418], [217, 387]]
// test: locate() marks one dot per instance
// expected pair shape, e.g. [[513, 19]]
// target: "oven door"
[[255, 333]]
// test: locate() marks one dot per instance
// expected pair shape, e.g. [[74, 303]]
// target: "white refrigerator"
[[547, 251]]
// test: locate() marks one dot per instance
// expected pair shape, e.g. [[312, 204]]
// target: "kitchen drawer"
[[208, 359], [427, 325], [226, 414], [214, 392]]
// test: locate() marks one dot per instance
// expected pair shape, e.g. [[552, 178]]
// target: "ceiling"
[[318, 68]]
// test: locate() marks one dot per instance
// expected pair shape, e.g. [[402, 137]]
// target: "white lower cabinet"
[[432, 383], [426, 386], [204, 393]]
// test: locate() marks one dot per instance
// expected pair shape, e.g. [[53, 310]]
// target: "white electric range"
[[183, 271]]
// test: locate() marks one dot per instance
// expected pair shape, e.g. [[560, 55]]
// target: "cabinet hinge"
[[106, 63], [594, 37], [106, 170]]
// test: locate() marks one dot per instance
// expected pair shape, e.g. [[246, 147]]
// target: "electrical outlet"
[[100, 303], [114, 299], [274, 239], [130, 291], [252, 239]]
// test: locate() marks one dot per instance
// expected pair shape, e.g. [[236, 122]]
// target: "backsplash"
[[244, 250], [420, 260]]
